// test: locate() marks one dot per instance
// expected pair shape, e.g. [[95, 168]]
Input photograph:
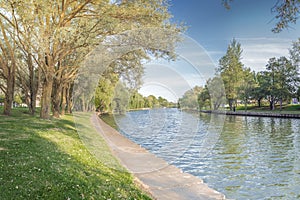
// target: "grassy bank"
[[286, 109], [45, 159], [110, 120]]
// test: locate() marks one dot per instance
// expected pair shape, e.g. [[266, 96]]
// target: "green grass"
[[46, 159], [286, 109], [109, 119]]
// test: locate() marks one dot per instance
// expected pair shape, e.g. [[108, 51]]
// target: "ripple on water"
[[253, 158]]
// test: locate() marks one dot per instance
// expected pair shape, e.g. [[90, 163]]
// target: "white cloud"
[[257, 51]]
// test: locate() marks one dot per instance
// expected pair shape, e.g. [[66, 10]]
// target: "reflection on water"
[[250, 158]]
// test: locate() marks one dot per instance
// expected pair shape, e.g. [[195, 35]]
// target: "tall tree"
[[8, 65], [231, 71], [216, 92]]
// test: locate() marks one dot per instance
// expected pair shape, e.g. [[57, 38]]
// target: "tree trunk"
[[272, 104], [46, 97], [63, 100], [33, 85], [259, 102], [9, 94], [56, 98], [69, 98], [83, 104], [280, 104], [230, 101], [32, 105]]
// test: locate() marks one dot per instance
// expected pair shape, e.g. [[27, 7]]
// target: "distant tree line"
[[234, 82], [119, 99]]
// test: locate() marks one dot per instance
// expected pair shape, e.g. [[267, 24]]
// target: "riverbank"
[[254, 113], [161, 180], [46, 159]]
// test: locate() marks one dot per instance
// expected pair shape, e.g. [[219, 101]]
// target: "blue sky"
[[212, 27]]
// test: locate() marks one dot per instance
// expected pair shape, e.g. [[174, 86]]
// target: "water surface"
[[242, 157]]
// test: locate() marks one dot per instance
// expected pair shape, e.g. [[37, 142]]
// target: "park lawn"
[[286, 109], [45, 159]]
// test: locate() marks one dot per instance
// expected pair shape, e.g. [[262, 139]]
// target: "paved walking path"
[[161, 180]]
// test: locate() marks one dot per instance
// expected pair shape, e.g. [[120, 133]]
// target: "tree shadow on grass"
[[35, 167]]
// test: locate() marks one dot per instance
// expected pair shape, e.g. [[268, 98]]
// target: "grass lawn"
[[46, 159], [286, 109]]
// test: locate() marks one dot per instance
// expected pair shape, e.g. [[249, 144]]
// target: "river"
[[241, 157]]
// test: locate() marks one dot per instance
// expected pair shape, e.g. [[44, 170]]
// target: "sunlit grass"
[[45, 159], [286, 109]]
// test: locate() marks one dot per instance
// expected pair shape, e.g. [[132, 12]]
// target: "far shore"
[[282, 114], [251, 112]]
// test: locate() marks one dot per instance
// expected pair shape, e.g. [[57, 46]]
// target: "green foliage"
[[189, 100], [231, 70], [120, 99], [2, 96], [260, 91], [18, 99], [137, 101], [278, 83], [204, 99], [216, 92], [247, 87], [281, 77], [104, 92]]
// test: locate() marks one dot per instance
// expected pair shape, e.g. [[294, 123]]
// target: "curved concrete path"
[[161, 180]]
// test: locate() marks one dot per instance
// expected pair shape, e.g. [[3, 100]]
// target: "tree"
[[231, 71], [8, 65], [261, 89], [136, 101], [247, 87], [281, 76], [189, 100], [216, 92], [105, 92], [298, 94], [121, 99], [204, 100], [28, 78], [151, 101]]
